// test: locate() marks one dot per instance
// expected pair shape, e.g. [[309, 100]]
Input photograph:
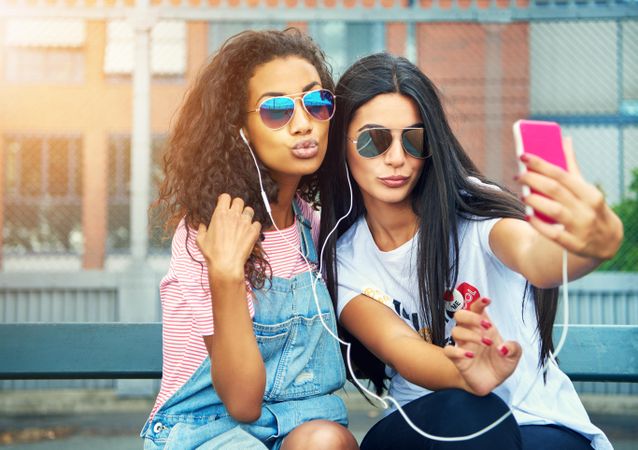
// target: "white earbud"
[[243, 137]]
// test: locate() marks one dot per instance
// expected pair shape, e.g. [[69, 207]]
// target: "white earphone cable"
[[385, 400]]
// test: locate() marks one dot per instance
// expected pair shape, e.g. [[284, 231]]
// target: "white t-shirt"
[[390, 278]]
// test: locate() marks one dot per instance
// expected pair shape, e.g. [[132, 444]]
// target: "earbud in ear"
[[243, 136]]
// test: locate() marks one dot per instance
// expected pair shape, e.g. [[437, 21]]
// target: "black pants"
[[453, 412]]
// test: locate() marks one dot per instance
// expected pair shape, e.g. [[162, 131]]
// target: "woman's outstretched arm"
[[474, 366], [586, 227]]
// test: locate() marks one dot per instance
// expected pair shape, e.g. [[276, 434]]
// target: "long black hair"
[[443, 194]]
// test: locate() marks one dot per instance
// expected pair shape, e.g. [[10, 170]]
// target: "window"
[[119, 214], [218, 32], [573, 67], [361, 38], [582, 74], [167, 52], [43, 194], [45, 51]]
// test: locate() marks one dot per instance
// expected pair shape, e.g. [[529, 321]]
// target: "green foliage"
[[626, 260]]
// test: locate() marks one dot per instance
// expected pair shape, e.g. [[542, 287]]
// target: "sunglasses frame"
[[403, 130], [294, 98]]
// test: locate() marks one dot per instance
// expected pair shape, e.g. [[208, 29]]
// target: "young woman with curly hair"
[[263, 372]]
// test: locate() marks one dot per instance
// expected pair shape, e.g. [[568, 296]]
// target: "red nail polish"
[[485, 324], [486, 341], [486, 301], [527, 217], [504, 351], [516, 177], [469, 354], [524, 158]]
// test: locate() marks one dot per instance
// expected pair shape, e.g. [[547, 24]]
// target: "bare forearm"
[[539, 259], [237, 368], [396, 344], [544, 266], [431, 369]]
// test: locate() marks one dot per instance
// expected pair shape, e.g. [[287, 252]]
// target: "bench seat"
[[133, 350]]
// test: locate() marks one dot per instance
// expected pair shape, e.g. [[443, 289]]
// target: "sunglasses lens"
[[413, 142], [277, 111], [320, 104], [374, 142]]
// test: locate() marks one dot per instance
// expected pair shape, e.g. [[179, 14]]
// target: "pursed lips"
[[306, 144], [394, 180], [306, 149]]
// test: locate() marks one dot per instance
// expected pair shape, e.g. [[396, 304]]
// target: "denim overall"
[[303, 367]]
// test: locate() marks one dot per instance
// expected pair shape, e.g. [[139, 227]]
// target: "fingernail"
[[524, 158], [516, 177], [527, 217], [469, 354], [504, 351], [486, 341], [486, 301], [485, 324]]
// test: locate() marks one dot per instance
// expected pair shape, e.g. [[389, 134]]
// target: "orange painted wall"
[[396, 35], [454, 57], [95, 109]]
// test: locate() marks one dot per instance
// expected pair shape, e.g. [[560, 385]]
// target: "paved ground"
[[118, 430]]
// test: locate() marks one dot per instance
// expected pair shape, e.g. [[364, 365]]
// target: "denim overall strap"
[[303, 368], [305, 231]]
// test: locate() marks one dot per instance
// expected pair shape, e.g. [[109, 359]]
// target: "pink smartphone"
[[544, 140]]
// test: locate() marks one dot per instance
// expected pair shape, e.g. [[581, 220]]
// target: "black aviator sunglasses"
[[373, 142]]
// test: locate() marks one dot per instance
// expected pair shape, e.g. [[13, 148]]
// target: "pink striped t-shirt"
[[187, 312]]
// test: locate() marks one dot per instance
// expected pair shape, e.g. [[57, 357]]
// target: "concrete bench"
[[133, 350]]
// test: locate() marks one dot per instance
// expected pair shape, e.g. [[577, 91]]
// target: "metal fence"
[[73, 150], [88, 92], [601, 298], [89, 298]]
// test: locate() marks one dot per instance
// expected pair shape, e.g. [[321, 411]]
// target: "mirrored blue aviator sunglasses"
[[276, 112]]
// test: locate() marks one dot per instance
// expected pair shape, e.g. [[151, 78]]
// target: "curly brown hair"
[[205, 155]]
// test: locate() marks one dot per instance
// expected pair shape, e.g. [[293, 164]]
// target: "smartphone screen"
[[544, 140]]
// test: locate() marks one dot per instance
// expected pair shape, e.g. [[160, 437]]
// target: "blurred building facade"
[[88, 92], [67, 93]]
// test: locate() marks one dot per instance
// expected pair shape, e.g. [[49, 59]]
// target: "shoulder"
[[186, 259], [183, 238], [352, 239], [477, 231], [511, 239]]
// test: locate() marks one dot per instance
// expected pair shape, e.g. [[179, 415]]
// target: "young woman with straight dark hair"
[[429, 237]]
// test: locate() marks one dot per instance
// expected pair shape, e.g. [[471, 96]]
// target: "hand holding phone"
[[566, 208], [543, 139]]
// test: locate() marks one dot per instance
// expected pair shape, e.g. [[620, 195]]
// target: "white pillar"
[[138, 300], [141, 138]]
